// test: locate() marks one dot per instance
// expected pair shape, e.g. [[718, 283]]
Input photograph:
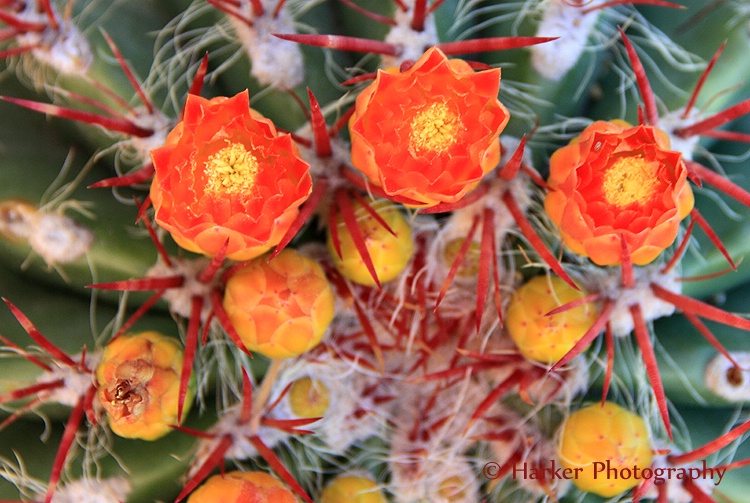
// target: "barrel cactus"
[[390, 251]]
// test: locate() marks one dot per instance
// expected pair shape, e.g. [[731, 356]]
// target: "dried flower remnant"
[[618, 182], [280, 308], [540, 336], [225, 173], [604, 435], [430, 133], [139, 381], [242, 487]]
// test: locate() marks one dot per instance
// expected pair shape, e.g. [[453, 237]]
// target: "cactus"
[[350, 250]]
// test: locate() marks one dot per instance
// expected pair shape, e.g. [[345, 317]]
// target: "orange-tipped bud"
[[280, 308], [544, 338], [607, 447], [309, 398], [389, 253], [352, 489], [139, 384], [242, 487]]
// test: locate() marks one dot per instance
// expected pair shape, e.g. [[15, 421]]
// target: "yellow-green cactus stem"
[[139, 383], [309, 398], [242, 487], [389, 252], [280, 308], [606, 447], [544, 338], [352, 489]]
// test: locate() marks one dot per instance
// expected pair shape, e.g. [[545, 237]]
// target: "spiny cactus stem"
[[110, 123], [320, 131], [487, 262], [592, 297], [15, 51], [723, 184], [647, 94], [342, 42], [142, 309], [17, 394], [588, 337], [703, 224], [346, 210], [727, 135], [375, 17], [419, 15], [305, 213], [701, 81], [21, 25], [30, 358], [711, 447], [457, 261], [500, 390], [278, 467], [643, 338], [191, 344], [221, 315], [216, 457], [680, 249], [715, 120], [139, 176], [490, 44], [129, 73], [55, 352], [536, 242], [71, 427], [706, 333], [704, 310]]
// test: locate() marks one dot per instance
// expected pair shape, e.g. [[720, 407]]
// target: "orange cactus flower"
[[224, 173], [431, 132], [280, 308], [618, 180], [242, 487], [139, 383]]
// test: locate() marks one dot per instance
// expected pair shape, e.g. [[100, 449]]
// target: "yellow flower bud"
[[543, 338], [608, 448], [280, 308], [352, 489], [242, 487], [139, 384], [389, 254], [308, 398]]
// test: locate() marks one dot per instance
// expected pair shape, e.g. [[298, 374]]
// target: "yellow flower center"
[[231, 170], [434, 129], [629, 180]]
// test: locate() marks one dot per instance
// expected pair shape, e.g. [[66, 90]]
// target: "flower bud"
[[544, 338], [608, 446], [352, 489], [280, 308], [242, 487], [389, 254], [309, 398]]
